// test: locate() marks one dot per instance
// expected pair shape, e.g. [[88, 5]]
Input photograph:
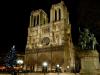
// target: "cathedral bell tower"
[[59, 14]]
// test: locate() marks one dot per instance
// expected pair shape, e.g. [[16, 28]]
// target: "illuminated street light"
[[57, 65], [58, 68], [45, 64], [20, 62], [67, 67]]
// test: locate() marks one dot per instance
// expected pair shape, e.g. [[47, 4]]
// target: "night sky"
[[14, 20]]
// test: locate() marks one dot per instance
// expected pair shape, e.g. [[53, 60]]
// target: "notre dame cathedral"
[[50, 41]]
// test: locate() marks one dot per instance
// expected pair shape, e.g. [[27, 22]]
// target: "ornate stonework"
[[50, 41]]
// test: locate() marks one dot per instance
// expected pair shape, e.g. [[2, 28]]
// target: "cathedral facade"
[[50, 41]]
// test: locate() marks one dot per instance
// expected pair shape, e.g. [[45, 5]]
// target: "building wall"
[[4, 74], [41, 74], [50, 41], [48, 74]]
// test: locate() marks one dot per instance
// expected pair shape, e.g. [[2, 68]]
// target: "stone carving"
[[93, 41], [87, 41]]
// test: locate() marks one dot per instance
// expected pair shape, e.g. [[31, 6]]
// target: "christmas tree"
[[10, 59]]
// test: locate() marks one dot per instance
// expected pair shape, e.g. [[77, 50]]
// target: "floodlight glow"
[[45, 64], [19, 61], [67, 66], [57, 65]]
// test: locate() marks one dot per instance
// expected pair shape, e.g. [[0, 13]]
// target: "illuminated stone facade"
[[50, 41]]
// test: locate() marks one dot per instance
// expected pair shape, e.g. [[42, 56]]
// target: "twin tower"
[[49, 40]]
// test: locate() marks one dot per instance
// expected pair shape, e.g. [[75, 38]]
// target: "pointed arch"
[[59, 12], [55, 15]]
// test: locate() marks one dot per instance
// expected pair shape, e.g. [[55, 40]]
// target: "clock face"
[[45, 41]]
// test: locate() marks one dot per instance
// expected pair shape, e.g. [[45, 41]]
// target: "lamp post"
[[45, 64], [68, 68], [58, 68], [20, 62]]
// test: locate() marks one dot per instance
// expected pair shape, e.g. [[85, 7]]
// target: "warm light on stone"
[[50, 41]]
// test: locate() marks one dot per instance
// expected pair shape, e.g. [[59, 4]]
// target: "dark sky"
[[14, 18]]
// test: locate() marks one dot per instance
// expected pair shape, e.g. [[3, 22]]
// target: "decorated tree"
[[10, 59]]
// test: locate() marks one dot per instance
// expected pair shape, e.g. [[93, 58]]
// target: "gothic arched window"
[[59, 12], [44, 21], [55, 15], [38, 19], [34, 21]]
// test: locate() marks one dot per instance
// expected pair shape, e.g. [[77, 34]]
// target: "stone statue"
[[93, 42], [84, 39], [87, 41]]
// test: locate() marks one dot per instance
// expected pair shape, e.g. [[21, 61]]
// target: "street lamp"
[[20, 62], [57, 65], [68, 68], [45, 64], [58, 68]]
